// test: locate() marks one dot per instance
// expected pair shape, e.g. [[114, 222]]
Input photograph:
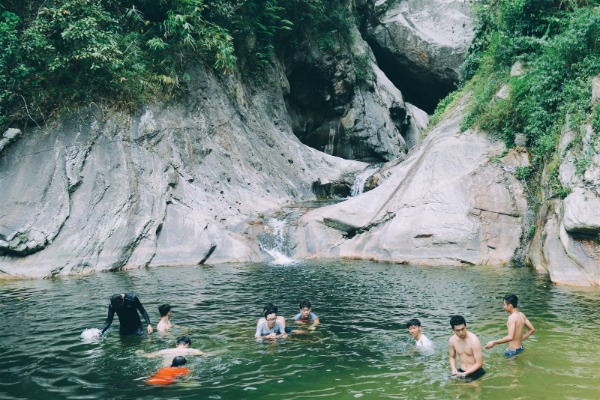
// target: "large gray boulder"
[[565, 245], [421, 45], [447, 204], [184, 183]]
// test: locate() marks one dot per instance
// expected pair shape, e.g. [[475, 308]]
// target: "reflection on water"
[[360, 349]]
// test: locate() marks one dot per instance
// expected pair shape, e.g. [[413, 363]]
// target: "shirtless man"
[[468, 348], [182, 348], [516, 323], [165, 318]]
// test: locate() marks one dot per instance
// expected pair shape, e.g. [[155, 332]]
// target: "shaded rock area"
[[182, 183], [421, 45], [334, 111], [446, 204]]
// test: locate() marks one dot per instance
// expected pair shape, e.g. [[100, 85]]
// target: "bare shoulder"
[[473, 339], [522, 316]]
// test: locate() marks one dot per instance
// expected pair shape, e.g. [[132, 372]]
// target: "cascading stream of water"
[[358, 185], [274, 241]]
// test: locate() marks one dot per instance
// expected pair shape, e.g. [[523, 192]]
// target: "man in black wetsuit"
[[127, 305]]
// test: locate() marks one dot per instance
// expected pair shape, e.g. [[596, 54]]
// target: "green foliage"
[[60, 54], [66, 53], [531, 232], [442, 106], [558, 41], [523, 173]]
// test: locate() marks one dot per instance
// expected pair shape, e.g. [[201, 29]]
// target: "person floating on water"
[[423, 343], [127, 305], [168, 375], [165, 318], [306, 315], [516, 323], [468, 348], [271, 326], [182, 348]]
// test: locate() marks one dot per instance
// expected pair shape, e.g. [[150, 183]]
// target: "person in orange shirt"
[[168, 375]]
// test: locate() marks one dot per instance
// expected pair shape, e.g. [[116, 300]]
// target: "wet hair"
[[178, 361], [457, 320], [164, 309], [305, 304], [413, 322], [116, 301], [183, 340], [511, 299], [269, 310]]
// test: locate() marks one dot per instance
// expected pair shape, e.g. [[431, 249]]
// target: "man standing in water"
[[516, 323], [165, 318], [468, 348], [127, 305]]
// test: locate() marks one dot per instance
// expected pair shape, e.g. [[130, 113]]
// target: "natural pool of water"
[[360, 350]]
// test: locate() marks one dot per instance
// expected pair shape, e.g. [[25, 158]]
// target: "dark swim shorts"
[[473, 375], [511, 353]]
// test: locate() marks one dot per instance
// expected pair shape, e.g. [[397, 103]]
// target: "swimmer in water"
[[127, 305], [270, 327], [280, 319], [517, 321], [306, 315], [165, 318], [468, 348], [168, 375], [182, 348], [423, 343]]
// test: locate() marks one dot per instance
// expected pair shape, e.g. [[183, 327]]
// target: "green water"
[[360, 349]]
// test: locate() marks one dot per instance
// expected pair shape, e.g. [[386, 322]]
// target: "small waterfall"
[[275, 243], [330, 146], [359, 182]]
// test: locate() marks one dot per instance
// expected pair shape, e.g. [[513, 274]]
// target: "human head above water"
[[164, 309], [457, 320], [305, 304], [511, 299], [184, 340], [413, 322], [178, 361], [270, 309], [117, 300]]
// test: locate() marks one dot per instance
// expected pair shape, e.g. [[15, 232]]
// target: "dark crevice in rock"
[[208, 254], [418, 87]]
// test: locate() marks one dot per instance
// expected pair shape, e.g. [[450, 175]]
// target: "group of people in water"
[[463, 344]]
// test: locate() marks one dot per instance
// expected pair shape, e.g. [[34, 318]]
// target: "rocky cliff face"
[[565, 244], [215, 176], [183, 183], [421, 45], [446, 204]]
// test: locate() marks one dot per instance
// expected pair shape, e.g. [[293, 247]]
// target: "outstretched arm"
[[109, 319], [512, 327]]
